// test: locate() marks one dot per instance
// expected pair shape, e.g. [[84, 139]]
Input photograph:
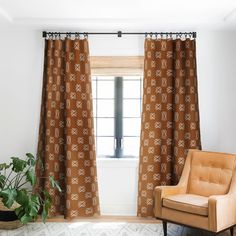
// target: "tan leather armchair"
[[205, 196]]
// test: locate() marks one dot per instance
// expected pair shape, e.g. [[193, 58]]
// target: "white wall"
[[21, 58], [216, 52], [21, 55]]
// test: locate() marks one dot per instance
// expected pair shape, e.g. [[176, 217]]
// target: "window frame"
[[118, 67]]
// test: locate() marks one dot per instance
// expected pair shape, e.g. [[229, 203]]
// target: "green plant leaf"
[[54, 183], [40, 163], [29, 208], [4, 166], [30, 155], [47, 195], [8, 197], [31, 177], [44, 214], [22, 197], [31, 159], [2, 181], [34, 205], [31, 162], [18, 164], [25, 218], [19, 211], [46, 207]]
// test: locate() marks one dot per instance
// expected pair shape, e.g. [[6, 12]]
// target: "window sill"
[[106, 162]]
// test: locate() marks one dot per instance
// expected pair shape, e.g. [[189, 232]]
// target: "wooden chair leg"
[[232, 231], [164, 224]]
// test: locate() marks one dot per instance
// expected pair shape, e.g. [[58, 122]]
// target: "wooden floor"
[[173, 230]]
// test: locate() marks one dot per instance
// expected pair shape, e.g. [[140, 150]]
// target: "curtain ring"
[[77, 36], [68, 35], [85, 35], [56, 35], [50, 35]]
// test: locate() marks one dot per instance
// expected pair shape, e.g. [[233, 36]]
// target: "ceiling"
[[129, 15]]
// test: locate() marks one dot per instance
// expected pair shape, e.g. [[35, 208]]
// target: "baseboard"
[[119, 209]]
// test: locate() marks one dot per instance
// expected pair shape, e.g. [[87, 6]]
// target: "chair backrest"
[[210, 173]]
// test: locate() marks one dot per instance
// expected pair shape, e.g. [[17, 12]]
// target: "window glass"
[[105, 88], [131, 108], [104, 93], [105, 127], [105, 146], [131, 126], [105, 108], [134, 92]]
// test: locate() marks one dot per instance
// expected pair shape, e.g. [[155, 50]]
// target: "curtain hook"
[[68, 35], [50, 35]]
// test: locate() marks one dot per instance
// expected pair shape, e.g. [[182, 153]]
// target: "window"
[[117, 115]]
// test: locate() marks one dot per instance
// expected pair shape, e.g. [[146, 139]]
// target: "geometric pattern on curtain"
[[170, 115], [66, 134]]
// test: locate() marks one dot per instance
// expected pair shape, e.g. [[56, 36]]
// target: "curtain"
[[170, 115], [66, 134]]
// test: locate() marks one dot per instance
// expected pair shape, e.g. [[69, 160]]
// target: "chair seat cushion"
[[190, 203]]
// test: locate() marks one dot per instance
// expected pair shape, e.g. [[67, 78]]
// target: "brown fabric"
[[190, 203], [185, 218], [170, 117], [66, 135], [211, 173]]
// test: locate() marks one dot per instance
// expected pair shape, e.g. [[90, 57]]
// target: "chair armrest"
[[180, 188], [221, 211], [163, 191]]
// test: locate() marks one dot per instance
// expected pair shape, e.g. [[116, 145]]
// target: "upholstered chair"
[[205, 196]]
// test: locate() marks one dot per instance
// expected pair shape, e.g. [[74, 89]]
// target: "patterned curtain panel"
[[66, 135], [170, 116]]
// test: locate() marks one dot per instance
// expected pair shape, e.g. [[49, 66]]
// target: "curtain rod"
[[120, 33]]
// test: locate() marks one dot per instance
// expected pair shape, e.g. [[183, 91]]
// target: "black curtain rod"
[[119, 33]]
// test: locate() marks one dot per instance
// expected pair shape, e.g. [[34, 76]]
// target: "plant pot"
[[8, 218]]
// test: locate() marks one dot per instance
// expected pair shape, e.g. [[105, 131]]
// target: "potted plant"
[[18, 202]]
